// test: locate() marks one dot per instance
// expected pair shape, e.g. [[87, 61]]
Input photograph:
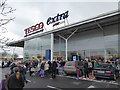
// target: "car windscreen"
[[104, 66]]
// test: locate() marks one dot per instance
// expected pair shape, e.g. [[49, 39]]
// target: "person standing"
[[49, 70], [42, 69], [12, 67], [2, 64], [89, 67], [16, 81], [27, 66], [31, 68], [92, 64], [86, 69], [53, 68], [78, 73], [22, 70], [46, 68], [58, 67]]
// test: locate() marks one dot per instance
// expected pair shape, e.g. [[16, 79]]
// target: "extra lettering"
[[51, 20]]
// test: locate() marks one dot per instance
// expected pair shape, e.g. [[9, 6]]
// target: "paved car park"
[[63, 81], [93, 79]]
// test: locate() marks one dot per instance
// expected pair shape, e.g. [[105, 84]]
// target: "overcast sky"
[[31, 12]]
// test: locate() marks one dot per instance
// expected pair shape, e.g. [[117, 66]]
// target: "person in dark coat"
[[86, 69], [12, 66], [49, 70], [2, 64], [16, 81], [53, 68], [42, 69], [42, 65], [22, 71], [27, 66]]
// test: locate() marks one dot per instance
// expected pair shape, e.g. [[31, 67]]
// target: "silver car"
[[71, 67]]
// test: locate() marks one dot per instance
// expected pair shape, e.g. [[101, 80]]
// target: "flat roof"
[[82, 24]]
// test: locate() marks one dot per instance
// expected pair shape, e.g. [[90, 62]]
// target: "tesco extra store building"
[[94, 37]]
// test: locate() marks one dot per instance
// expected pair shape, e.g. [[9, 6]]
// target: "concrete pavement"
[[62, 82], [65, 82]]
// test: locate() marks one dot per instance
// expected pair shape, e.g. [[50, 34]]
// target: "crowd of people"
[[7, 64], [17, 76], [44, 68]]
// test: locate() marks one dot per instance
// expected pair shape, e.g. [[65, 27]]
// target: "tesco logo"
[[34, 28]]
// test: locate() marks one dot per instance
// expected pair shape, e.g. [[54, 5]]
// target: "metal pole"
[[84, 54], [105, 54], [59, 46], [66, 42], [52, 45], [41, 53], [66, 50], [13, 52], [72, 33], [89, 55]]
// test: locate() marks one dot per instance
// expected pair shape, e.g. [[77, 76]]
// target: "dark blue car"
[[106, 71]]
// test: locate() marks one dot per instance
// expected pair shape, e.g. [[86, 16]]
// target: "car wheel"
[[114, 77]]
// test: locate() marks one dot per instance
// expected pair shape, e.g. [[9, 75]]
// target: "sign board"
[[56, 20], [48, 54], [34, 29], [74, 57], [58, 17]]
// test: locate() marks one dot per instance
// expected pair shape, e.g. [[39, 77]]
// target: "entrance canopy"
[[19, 43]]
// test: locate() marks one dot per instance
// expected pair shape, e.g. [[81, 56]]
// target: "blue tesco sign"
[[59, 17], [48, 54]]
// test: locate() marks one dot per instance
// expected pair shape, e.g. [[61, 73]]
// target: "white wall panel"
[[86, 40]]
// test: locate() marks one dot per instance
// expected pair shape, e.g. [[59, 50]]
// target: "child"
[[4, 82], [41, 73], [78, 73], [42, 69]]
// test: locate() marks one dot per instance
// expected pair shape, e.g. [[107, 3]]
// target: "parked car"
[[70, 67], [106, 71]]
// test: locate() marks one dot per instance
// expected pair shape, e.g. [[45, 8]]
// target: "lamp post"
[[14, 52]]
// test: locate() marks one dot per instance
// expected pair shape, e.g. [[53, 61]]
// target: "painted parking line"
[[93, 80], [76, 83], [52, 87], [28, 80], [91, 86], [105, 81]]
